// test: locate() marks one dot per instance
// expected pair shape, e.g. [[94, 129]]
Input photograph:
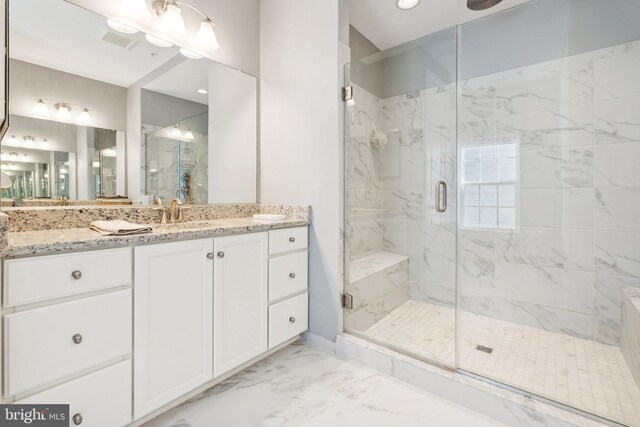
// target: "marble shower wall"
[[420, 150], [576, 240], [364, 168]]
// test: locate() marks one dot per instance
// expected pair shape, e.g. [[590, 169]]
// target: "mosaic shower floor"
[[580, 373]]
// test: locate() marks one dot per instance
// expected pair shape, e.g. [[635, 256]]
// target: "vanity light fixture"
[[206, 37], [176, 132], [121, 27], [170, 13], [158, 41], [189, 135], [202, 91], [170, 17], [95, 164], [84, 116], [29, 139], [407, 4], [136, 9], [41, 108], [14, 140], [64, 111], [45, 143]]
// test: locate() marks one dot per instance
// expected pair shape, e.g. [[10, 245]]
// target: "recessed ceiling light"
[[202, 91], [407, 4]]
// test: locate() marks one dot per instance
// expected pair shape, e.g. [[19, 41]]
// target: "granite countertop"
[[23, 243]]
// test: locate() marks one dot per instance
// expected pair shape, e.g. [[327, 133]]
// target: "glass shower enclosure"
[[493, 204], [176, 160]]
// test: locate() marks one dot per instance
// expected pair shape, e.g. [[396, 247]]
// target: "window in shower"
[[489, 179]]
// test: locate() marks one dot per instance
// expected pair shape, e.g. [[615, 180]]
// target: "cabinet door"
[[240, 300], [173, 300]]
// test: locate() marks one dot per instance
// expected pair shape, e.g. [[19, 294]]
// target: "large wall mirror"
[[101, 116]]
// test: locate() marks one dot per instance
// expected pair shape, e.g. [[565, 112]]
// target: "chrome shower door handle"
[[441, 196]]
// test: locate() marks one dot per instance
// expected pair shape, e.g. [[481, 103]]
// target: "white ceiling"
[[183, 80], [386, 26]]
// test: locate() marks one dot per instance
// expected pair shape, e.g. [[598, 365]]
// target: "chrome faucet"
[[172, 210]]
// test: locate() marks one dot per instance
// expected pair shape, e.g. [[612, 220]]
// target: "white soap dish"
[[269, 217]]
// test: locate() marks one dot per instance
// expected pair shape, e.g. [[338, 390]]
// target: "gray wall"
[[28, 82], [300, 145], [164, 110]]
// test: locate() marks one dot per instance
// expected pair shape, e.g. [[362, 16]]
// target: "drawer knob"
[[292, 239], [210, 255], [292, 319], [77, 419], [292, 275], [77, 338], [220, 254], [76, 274]]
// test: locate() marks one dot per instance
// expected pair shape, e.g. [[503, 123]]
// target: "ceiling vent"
[[117, 40]]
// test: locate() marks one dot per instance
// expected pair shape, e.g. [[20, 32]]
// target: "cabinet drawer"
[[101, 399], [29, 280], [287, 240], [288, 275], [49, 343], [288, 319]]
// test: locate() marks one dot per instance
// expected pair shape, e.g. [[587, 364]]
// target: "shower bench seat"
[[630, 336], [378, 283]]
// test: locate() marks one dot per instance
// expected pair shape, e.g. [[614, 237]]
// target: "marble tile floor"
[[302, 385], [580, 373]]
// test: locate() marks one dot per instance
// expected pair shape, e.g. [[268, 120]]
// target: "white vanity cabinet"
[[240, 295], [67, 334], [288, 283], [173, 330], [123, 334]]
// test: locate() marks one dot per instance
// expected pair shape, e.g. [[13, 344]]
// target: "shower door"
[[549, 227], [400, 197]]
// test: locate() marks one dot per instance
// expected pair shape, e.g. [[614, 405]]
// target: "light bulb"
[[64, 111], [407, 4], [136, 10], [176, 132], [84, 116], [189, 135], [41, 108], [189, 54], [160, 42], [95, 164], [206, 37], [172, 20], [121, 27]]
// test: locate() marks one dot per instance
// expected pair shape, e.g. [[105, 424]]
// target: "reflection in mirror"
[[78, 84], [82, 161], [199, 121], [6, 181], [175, 123]]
